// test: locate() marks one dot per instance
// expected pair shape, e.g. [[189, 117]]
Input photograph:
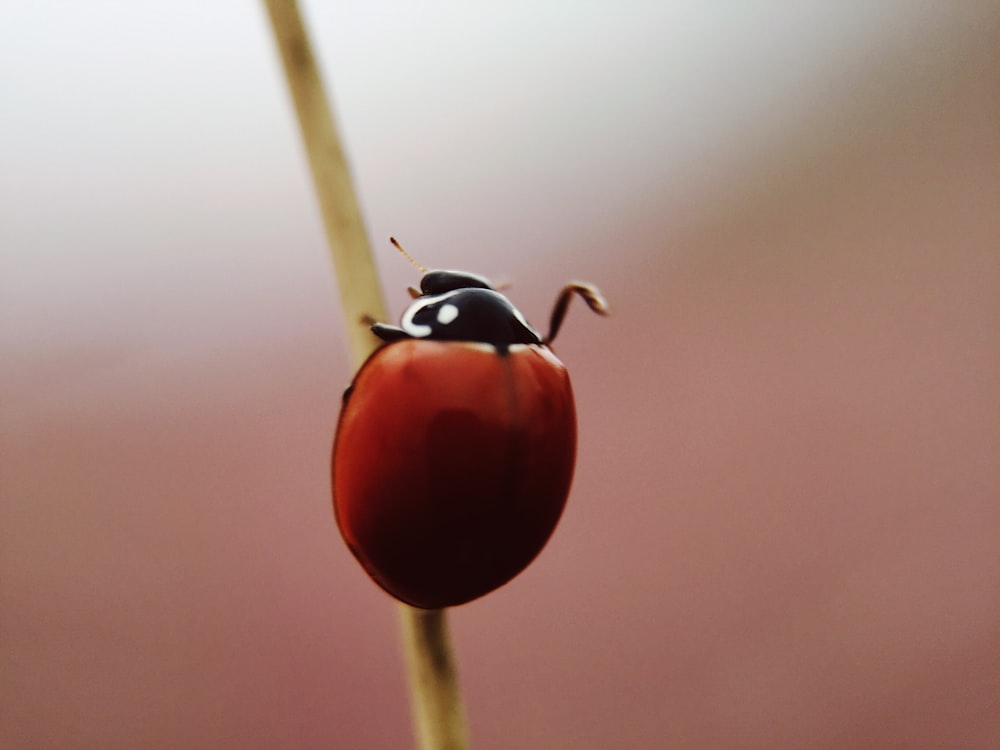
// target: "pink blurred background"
[[785, 525]]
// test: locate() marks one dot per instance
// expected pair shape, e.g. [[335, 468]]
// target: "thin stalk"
[[357, 277], [439, 719]]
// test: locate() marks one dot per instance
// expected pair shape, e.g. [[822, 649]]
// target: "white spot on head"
[[447, 313]]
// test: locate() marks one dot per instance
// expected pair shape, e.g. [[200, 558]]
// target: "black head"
[[459, 306], [439, 282]]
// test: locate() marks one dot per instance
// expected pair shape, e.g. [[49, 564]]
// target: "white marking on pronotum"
[[415, 329], [447, 314], [517, 314], [421, 330]]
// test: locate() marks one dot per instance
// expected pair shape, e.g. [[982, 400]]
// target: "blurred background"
[[785, 524]]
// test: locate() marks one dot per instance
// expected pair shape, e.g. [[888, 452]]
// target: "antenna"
[[407, 255]]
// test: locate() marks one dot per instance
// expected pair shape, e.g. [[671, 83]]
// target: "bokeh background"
[[785, 525]]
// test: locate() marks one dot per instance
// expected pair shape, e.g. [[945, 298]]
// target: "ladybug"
[[456, 443]]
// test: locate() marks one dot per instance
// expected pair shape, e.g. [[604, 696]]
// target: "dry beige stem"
[[360, 292], [437, 705]]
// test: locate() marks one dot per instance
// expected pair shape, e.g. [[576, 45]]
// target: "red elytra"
[[456, 444]]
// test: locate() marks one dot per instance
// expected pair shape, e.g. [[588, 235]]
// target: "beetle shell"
[[452, 464]]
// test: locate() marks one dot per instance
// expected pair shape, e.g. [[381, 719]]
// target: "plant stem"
[[438, 718], [360, 292], [436, 702]]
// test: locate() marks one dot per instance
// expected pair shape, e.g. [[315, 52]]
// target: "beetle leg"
[[389, 333], [588, 292]]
